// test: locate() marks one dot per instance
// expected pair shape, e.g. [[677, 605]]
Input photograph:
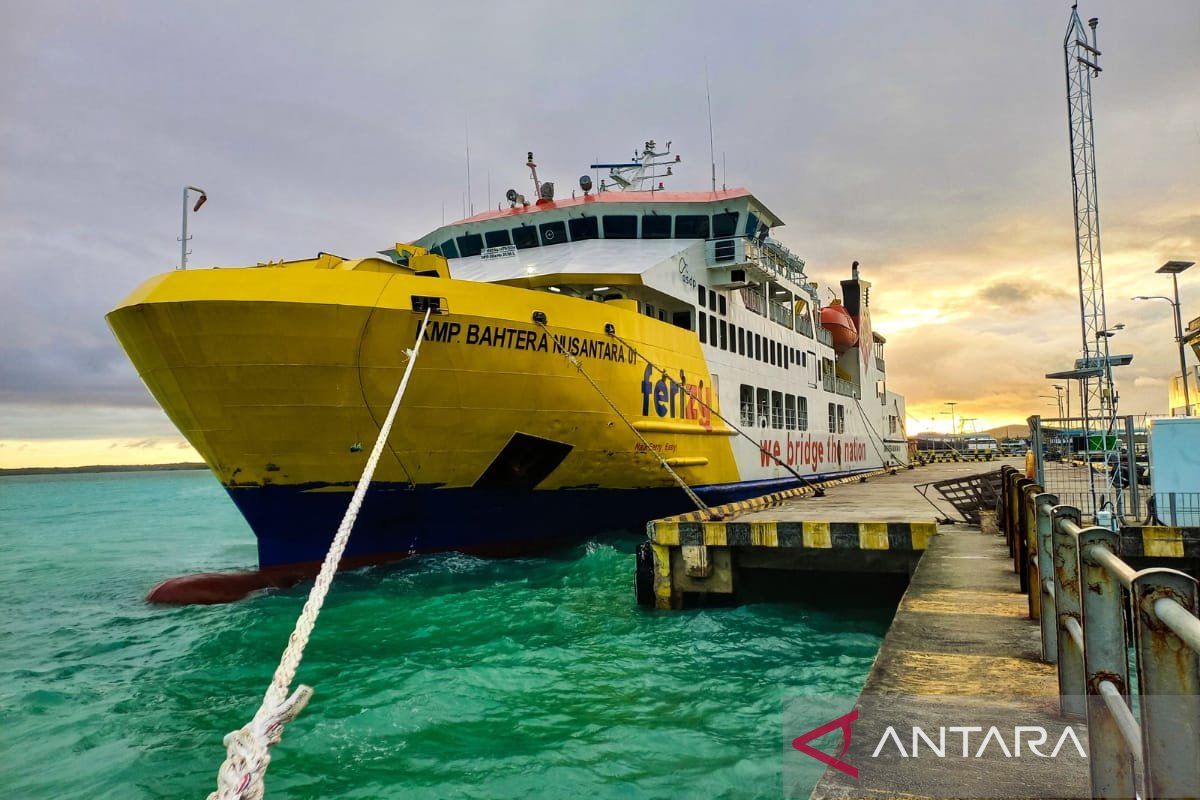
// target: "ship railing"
[[804, 325], [824, 336], [770, 257], [780, 313], [879, 364], [753, 299], [827, 382], [844, 388], [1094, 609]]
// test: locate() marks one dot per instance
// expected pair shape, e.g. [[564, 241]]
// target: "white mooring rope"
[[248, 748]]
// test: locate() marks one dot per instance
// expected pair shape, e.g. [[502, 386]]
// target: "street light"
[[183, 238], [1173, 268]]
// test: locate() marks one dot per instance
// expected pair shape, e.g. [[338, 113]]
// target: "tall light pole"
[[183, 237], [1173, 268], [951, 412], [1058, 390]]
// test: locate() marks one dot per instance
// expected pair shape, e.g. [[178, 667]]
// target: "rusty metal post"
[[1029, 525], [1021, 535], [1071, 684], [1010, 478], [1106, 659], [1049, 618], [1168, 684]]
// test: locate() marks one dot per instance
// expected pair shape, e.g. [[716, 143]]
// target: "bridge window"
[[554, 233], [470, 244], [691, 226], [620, 226], [584, 228], [656, 226], [497, 238], [449, 250], [724, 224], [752, 225], [525, 237]]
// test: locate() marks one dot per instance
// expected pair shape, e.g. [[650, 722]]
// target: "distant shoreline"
[[97, 468]]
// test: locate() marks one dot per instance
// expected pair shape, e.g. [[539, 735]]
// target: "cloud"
[[867, 132]]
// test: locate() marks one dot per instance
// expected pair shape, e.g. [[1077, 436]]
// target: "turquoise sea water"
[[445, 676]]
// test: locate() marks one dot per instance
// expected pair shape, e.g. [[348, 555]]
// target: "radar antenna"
[[633, 175]]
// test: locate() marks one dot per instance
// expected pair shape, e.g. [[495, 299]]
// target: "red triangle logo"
[[843, 723]]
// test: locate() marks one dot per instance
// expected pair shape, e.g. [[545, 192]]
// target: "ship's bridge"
[[656, 249]]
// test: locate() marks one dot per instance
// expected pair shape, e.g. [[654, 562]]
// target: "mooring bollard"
[[1020, 537], [1071, 685], [1167, 635], [1112, 740], [1049, 618]]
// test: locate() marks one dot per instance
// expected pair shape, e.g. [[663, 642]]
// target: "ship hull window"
[[702, 326], [724, 336], [497, 238], [747, 405], [656, 226], [691, 226], [777, 410], [802, 413], [525, 237], [762, 396], [724, 224], [584, 228], [712, 330], [620, 226], [553, 233], [682, 319]]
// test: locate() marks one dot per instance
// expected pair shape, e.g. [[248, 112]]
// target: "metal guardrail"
[[824, 336], [844, 388], [1143, 737]]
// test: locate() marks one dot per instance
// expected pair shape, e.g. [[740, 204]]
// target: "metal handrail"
[[1081, 590]]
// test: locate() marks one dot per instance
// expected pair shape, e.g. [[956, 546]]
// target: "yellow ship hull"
[[279, 377]]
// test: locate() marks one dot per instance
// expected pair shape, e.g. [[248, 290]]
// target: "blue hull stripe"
[[295, 526]]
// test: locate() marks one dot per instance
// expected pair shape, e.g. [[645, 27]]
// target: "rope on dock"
[[700, 504], [816, 487], [248, 748]]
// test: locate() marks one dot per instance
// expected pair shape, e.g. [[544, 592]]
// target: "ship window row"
[[608, 226], [767, 408], [744, 342]]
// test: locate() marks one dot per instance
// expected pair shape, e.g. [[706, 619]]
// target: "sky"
[[927, 140]]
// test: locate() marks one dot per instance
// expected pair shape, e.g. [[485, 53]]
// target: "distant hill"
[[102, 468], [1010, 432]]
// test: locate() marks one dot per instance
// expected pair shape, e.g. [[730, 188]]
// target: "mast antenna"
[[470, 199], [1099, 396], [712, 156]]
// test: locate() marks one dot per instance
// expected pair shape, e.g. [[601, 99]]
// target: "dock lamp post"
[[183, 238], [1173, 268]]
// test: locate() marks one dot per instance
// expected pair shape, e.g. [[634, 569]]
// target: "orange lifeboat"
[[837, 320]]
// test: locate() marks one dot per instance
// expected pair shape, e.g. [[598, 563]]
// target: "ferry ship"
[[700, 352]]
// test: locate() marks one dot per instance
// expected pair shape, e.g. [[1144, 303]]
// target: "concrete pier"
[[961, 633], [873, 523]]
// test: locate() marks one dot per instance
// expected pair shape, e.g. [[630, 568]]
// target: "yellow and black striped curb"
[[943, 457], [767, 500], [1160, 541], [805, 534]]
